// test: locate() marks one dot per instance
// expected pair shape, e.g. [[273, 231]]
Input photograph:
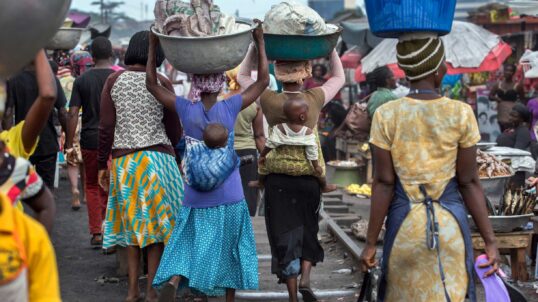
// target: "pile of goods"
[[517, 202], [356, 189], [199, 18], [489, 166], [343, 163], [294, 19]]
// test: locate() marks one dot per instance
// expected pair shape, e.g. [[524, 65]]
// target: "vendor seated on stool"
[[517, 136]]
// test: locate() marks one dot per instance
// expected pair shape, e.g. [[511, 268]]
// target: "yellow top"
[[13, 140], [423, 138], [24, 244]]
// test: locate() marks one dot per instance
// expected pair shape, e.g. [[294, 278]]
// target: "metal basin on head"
[[25, 27], [65, 39], [206, 55]]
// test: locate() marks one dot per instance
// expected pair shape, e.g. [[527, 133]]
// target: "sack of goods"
[[293, 19], [295, 32], [198, 38]]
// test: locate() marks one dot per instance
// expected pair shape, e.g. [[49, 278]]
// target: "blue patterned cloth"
[[211, 249], [206, 169]]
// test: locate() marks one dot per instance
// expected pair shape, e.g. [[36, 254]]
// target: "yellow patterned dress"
[[423, 138]]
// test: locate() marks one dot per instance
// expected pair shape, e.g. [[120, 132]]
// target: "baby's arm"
[[263, 155]]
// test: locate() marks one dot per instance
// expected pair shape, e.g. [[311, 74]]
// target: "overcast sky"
[[132, 8]]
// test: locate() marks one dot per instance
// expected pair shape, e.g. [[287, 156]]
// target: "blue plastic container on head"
[[392, 18]]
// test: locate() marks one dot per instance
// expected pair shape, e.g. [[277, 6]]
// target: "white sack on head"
[[293, 18]]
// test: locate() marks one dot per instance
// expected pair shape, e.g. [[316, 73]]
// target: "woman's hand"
[[104, 180], [258, 32], [368, 257], [153, 39], [493, 259]]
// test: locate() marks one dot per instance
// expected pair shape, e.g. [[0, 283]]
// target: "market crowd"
[[172, 167]]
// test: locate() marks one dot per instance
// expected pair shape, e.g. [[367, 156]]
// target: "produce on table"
[[357, 189], [517, 202], [490, 166], [343, 163]]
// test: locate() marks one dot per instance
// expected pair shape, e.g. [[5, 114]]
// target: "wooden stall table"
[[516, 243]]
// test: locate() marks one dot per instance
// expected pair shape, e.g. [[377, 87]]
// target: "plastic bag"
[[292, 18]]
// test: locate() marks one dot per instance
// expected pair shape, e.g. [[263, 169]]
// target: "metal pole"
[[102, 11]]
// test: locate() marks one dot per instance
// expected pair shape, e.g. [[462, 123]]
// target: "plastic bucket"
[[392, 18]]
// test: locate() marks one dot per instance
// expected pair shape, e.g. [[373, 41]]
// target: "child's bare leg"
[[257, 183], [325, 187], [230, 295]]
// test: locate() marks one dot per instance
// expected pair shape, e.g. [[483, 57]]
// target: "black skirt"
[[292, 205]]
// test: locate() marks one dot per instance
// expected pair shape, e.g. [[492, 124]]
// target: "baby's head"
[[215, 136], [296, 110]]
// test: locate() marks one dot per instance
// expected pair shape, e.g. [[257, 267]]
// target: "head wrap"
[[80, 62], [206, 83], [232, 79], [293, 71], [420, 57]]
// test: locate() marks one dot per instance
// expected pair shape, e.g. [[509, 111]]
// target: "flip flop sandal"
[[109, 251], [168, 293], [96, 241], [308, 294], [138, 299]]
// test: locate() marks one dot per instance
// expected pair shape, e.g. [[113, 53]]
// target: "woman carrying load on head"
[[146, 187], [212, 248], [292, 193], [425, 178]]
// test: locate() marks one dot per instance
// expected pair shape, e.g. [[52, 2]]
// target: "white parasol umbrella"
[[467, 47]]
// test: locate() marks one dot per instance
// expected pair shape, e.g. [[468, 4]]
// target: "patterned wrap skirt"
[[212, 249], [146, 192]]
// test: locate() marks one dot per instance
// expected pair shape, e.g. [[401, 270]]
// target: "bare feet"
[[168, 291], [135, 297], [152, 296], [75, 200], [329, 188]]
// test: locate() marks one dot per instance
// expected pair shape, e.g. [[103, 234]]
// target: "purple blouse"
[[194, 119]]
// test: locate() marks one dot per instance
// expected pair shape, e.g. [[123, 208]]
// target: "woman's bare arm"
[[473, 196], [259, 133], [382, 192], [252, 93], [163, 95], [337, 80], [243, 76]]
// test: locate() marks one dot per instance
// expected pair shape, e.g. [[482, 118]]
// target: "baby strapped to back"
[[209, 163], [295, 133]]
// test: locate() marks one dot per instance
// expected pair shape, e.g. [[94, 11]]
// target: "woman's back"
[[423, 138], [139, 116]]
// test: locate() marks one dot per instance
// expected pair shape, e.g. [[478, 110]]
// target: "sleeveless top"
[[139, 115]]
